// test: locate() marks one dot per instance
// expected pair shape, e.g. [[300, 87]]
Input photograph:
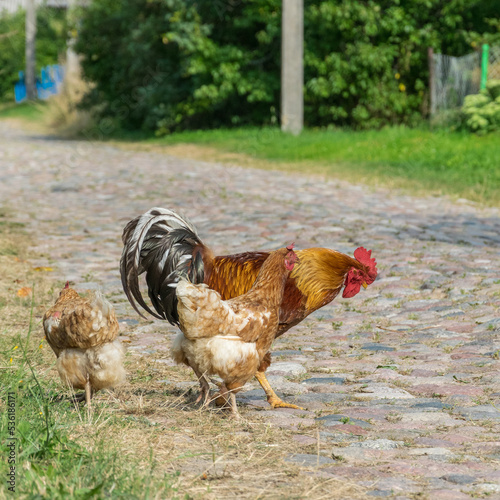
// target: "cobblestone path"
[[410, 365]]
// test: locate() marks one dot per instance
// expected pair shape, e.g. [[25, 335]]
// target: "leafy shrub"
[[481, 112], [175, 64], [50, 43]]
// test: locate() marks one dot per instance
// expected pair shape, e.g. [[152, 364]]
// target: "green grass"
[[24, 111], [58, 454], [458, 164]]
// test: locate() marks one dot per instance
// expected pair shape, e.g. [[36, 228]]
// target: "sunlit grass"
[[24, 111]]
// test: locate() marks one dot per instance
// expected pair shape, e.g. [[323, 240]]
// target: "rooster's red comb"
[[290, 246], [364, 256], [66, 285]]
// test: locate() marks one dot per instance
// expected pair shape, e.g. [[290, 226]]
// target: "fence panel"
[[455, 78]]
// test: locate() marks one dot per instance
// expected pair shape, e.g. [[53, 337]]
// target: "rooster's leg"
[[204, 388], [272, 398]]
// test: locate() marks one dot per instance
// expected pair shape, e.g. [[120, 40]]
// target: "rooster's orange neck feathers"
[[322, 274]]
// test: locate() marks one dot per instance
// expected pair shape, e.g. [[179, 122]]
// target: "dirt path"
[[403, 379]]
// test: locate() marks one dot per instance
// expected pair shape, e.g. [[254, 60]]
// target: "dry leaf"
[[43, 268], [25, 291]]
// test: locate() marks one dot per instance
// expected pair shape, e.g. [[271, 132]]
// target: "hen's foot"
[[227, 400], [78, 398], [204, 389], [234, 409], [88, 397], [203, 397], [220, 400]]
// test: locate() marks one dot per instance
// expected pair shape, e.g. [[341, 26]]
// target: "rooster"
[[165, 246], [230, 338], [83, 335]]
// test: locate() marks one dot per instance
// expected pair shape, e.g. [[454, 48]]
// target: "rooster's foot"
[[272, 398], [276, 402]]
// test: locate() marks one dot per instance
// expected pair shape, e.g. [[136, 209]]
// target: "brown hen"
[[83, 334]]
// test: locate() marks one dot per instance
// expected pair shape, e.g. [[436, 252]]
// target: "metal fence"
[[453, 78]]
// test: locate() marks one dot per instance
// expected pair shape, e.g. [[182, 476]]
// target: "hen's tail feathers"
[[99, 302], [166, 247]]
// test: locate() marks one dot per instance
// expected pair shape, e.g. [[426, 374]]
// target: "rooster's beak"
[[365, 285]]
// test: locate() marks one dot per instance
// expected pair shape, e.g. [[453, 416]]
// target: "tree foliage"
[[50, 43], [174, 64]]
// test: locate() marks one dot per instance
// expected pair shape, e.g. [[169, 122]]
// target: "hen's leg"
[[272, 397], [204, 388], [88, 394], [219, 398], [234, 408], [230, 398]]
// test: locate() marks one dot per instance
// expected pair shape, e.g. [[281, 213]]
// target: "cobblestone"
[[414, 359]]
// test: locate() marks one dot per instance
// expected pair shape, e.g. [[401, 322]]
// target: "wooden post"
[[30, 50], [72, 60], [432, 82], [292, 66]]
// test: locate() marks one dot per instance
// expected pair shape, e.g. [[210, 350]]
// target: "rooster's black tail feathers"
[[164, 245]]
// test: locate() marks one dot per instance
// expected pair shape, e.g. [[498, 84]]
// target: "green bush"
[[493, 88], [50, 42], [176, 64], [481, 112]]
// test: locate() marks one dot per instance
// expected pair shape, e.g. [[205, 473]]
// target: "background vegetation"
[[50, 43], [481, 112], [166, 65]]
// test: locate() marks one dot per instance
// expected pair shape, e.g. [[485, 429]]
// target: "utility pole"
[[72, 61], [30, 49], [292, 66]]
